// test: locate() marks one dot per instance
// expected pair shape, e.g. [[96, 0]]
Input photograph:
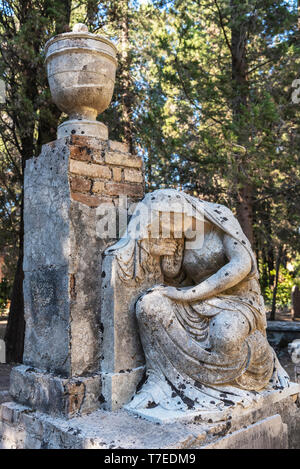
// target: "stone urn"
[[81, 69]]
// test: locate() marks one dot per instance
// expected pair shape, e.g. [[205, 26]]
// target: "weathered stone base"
[[269, 433], [259, 401], [116, 387], [274, 426], [61, 397]]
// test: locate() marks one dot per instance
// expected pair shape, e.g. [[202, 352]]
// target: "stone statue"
[[203, 330]]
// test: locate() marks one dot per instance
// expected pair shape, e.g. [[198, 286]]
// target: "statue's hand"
[[162, 247]]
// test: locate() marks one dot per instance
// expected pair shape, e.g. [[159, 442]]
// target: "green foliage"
[[284, 289]]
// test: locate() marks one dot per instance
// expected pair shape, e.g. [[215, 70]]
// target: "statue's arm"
[[230, 274]]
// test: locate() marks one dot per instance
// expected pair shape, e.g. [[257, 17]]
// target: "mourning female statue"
[[203, 330]]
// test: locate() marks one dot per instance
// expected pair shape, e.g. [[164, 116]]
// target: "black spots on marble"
[[198, 385], [151, 405]]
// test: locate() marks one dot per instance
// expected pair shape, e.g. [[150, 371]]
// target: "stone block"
[[4, 396], [270, 433], [99, 187], [32, 424], [108, 430], [122, 358], [118, 388], [51, 394], [7, 414], [46, 209], [62, 261], [63, 265], [47, 311], [94, 143]]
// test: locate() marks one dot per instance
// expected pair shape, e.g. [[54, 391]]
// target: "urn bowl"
[[81, 69]]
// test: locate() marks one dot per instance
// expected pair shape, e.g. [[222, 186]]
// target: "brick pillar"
[[62, 264]]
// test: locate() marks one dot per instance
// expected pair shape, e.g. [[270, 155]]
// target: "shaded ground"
[[286, 362], [4, 377]]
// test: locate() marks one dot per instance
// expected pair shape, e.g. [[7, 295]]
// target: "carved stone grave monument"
[[166, 323]]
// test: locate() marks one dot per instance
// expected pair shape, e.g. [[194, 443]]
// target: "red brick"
[[118, 146], [90, 200], [91, 170], [98, 187], [117, 174], [121, 159], [132, 190], [80, 184], [133, 175], [81, 153]]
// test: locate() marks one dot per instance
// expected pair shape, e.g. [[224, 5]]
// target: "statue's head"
[[168, 213]]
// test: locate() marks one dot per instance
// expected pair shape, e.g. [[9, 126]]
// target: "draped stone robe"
[[183, 372]]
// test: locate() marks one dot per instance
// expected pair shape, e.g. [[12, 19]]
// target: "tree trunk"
[[278, 262], [91, 12], [15, 331], [125, 62], [240, 104], [245, 210]]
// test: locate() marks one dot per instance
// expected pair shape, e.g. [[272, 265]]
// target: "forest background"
[[206, 92]]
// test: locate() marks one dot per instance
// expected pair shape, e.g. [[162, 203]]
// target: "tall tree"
[[215, 115], [29, 118]]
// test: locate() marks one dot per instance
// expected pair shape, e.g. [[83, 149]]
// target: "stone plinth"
[[123, 364], [269, 433], [64, 189], [273, 426], [282, 332], [56, 396]]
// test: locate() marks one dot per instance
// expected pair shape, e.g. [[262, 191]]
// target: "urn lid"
[[80, 38]]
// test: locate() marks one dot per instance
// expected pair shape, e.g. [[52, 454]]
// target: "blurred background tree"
[[203, 93]]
